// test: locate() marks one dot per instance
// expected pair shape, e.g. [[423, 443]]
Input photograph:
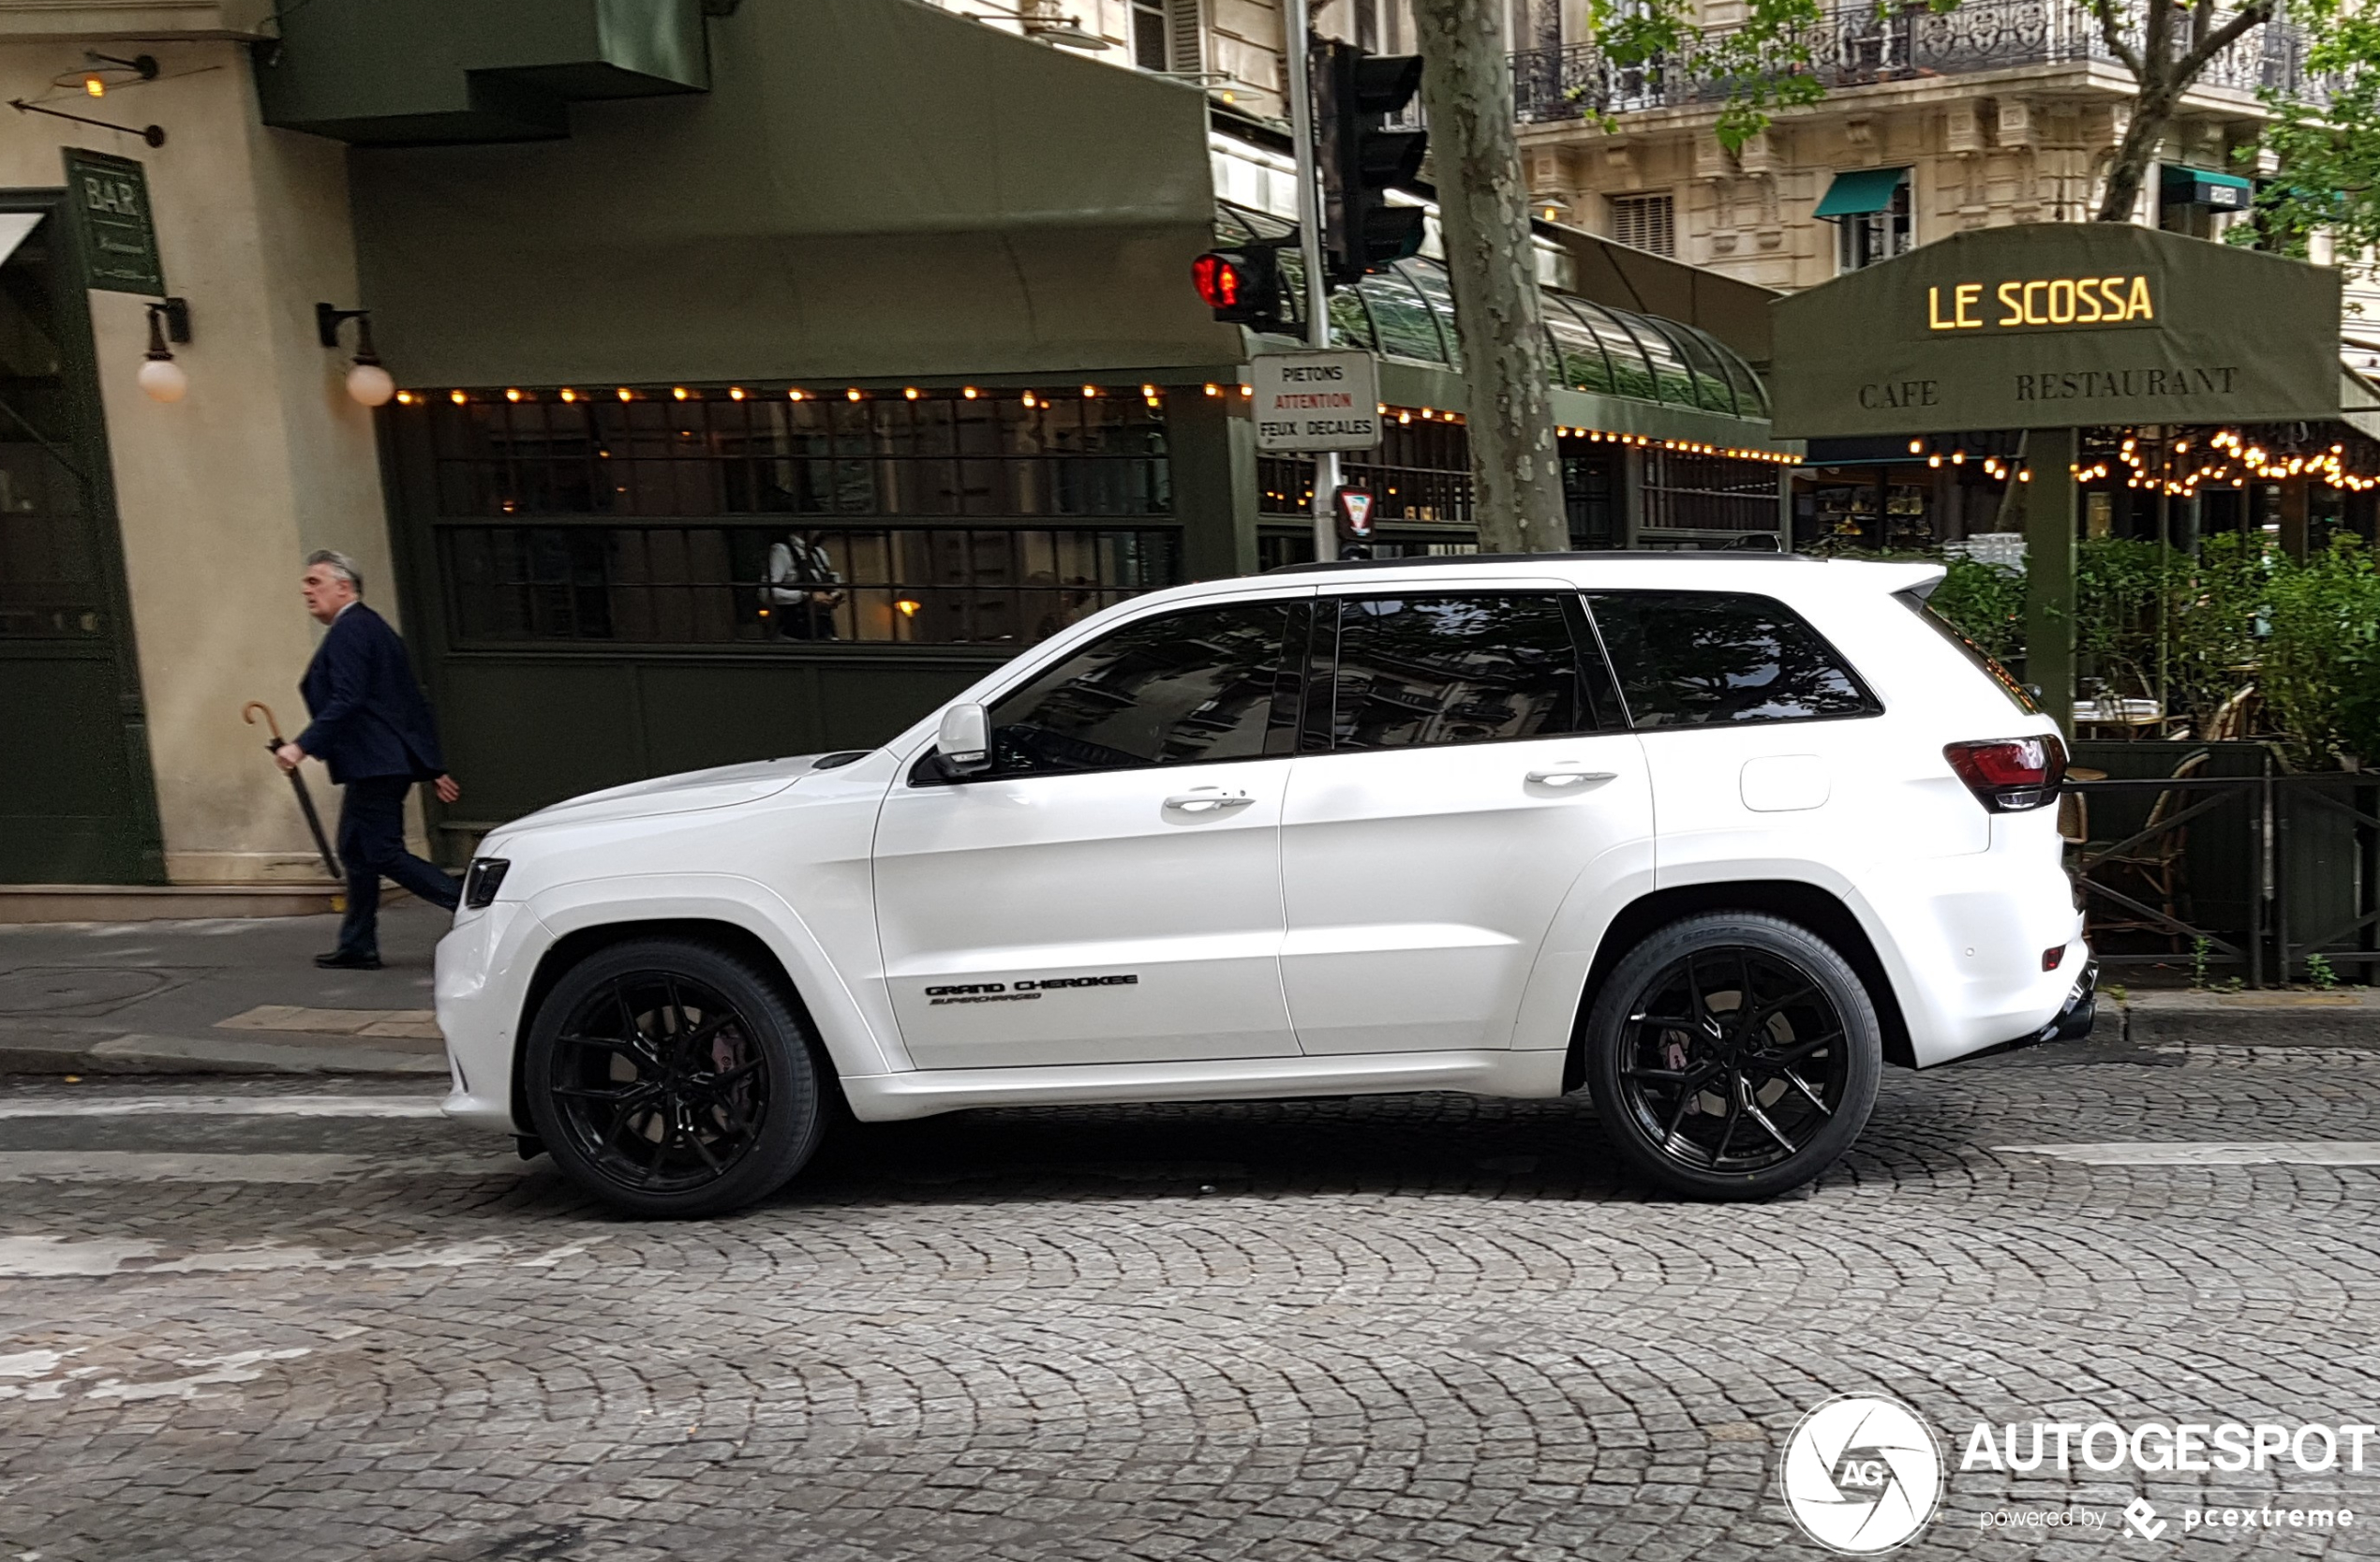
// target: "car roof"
[[1599, 556], [1792, 575]]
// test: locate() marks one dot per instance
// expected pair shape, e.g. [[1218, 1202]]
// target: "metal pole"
[[1296, 42], [2052, 454]]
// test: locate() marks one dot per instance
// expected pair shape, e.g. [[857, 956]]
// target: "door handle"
[[1566, 776], [1207, 800]]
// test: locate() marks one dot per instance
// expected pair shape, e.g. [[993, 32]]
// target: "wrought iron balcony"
[[1855, 45]]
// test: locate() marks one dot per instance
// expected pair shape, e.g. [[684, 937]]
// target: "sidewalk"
[[230, 996]]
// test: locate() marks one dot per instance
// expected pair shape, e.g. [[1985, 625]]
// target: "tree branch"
[[2104, 11], [2244, 21]]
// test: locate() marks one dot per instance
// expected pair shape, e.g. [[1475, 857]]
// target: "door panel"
[[1170, 915], [1473, 781], [1421, 883], [1111, 892]]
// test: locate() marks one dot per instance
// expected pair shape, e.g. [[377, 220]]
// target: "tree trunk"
[[2150, 118], [1499, 318]]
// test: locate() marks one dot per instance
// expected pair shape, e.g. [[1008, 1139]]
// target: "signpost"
[[1325, 399], [2049, 328], [110, 198]]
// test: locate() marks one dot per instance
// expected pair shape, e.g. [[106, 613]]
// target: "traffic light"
[[1354, 95], [1241, 286]]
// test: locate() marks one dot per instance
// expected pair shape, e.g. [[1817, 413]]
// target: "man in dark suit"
[[373, 728]]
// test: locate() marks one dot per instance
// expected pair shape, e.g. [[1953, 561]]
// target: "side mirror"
[[964, 742]]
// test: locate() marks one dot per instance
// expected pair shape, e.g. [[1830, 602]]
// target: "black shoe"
[[339, 959]]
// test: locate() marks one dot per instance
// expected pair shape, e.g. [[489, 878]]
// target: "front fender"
[[857, 1040]]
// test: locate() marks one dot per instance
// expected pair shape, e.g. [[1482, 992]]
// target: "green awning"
[[1862, 190], [2205, 186]]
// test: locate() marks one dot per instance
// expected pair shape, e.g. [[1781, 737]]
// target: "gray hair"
[[341, 565]]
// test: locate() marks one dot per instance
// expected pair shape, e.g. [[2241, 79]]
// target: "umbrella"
[[297, 783]]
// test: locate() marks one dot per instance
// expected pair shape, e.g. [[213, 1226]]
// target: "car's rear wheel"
[[1732, 1055], [671, 1079]]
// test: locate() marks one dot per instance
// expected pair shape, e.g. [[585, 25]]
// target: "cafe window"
[[759, 583], [1421, 474], [936, 517], [1686, 490], [938, 455]]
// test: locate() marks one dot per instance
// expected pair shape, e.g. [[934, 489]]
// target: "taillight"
[[2010, 774]]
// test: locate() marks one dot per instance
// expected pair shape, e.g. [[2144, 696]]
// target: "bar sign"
[[110, 197]]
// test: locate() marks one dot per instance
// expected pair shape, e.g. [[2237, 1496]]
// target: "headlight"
[[485, 879]]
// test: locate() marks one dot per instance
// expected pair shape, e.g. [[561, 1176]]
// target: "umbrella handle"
[[247, 714]]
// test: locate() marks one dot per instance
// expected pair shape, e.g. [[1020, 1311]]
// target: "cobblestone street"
[[281, 1322]]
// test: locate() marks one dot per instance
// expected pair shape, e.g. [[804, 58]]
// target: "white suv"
[[1714, 837]]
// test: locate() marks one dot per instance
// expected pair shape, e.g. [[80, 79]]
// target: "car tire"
[[1732, 1055], [671, 1079]]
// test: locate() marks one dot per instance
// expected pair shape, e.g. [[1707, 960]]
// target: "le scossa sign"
[[2053, 326]]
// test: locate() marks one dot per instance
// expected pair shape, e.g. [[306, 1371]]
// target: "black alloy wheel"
[[1733, 1055], [670, 1077]]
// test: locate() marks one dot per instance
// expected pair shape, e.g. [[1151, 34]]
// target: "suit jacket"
[[369, 718]]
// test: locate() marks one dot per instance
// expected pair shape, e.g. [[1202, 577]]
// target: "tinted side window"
[[1177, 690], [1472, 668], [1699, 657]]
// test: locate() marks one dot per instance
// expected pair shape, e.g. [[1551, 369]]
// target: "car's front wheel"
[[1732, 1055], [671, 1079]]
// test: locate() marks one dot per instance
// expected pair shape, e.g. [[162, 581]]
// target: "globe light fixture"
[[160, 378], [367, 383]]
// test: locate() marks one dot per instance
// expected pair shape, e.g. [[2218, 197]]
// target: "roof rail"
[[1597, 554]]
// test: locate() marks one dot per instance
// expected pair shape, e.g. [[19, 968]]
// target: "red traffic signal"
[[1220, 278], [1241, 286]]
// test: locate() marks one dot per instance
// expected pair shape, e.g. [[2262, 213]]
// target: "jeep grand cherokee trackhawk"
[[1711, 837]]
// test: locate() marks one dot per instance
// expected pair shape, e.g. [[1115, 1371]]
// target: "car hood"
[[723, 786]]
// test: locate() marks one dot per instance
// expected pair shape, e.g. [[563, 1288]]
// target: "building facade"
[[738, 409], [148, 551]]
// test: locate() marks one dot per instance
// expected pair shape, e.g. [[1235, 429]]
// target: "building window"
[[753, 584], [1152, 35], [1867, 238], [1647, 222]]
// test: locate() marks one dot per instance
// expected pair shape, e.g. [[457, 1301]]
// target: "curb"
[[69, 1053]]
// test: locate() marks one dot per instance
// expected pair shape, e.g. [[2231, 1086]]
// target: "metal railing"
[[2251, 873], [1857, 45]]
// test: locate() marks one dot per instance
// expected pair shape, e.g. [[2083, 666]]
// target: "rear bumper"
[[2071, 1023]]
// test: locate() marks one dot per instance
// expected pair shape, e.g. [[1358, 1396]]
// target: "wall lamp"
[[93, 80], [1065, 32], [160, 378], [367, 383]]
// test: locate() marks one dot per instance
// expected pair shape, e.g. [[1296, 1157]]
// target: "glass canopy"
[[1406, 310]]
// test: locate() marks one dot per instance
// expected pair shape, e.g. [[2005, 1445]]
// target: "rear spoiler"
[[1911, 580]]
